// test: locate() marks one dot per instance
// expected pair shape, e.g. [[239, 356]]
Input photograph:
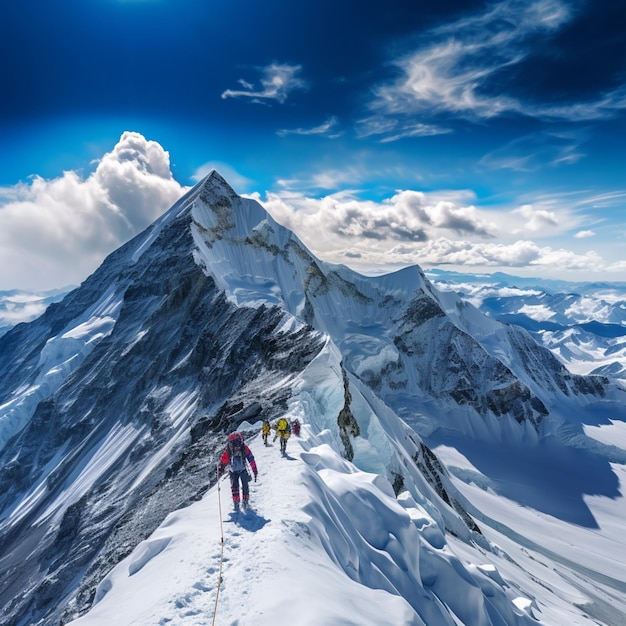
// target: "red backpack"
[[236, 452]]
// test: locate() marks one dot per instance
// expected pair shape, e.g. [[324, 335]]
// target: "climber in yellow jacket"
[[265, 431], [283, 430]]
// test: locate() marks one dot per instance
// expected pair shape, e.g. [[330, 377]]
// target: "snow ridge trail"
[[253, 538], [322, 544], [253, 543]]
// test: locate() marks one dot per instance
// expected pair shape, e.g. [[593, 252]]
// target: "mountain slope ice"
[[453, 468]]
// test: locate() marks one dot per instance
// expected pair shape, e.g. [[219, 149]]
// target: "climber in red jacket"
[[235, 455]]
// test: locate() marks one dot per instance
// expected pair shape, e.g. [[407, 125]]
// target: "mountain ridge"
[[116, 399]]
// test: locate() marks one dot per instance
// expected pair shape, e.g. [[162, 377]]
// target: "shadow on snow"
[[248, 520], [548, 477]]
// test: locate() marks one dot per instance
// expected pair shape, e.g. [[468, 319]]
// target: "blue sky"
[[468, 135]]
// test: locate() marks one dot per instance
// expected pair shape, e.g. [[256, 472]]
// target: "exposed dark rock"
[[435, 473], [348, 426]]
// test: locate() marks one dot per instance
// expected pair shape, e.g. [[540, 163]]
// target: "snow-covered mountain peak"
[[218, 209], [239, 243], [117, 399], [389, 329]]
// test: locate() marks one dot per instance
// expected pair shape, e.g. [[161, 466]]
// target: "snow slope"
[[320, 532], [326, 543]]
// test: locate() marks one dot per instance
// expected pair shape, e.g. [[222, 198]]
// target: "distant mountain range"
[[584, 324], [17, 305]]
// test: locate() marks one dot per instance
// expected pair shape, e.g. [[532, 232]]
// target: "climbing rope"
[[219, 576]]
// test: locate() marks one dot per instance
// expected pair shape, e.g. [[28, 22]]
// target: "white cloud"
[[408, 216], [537, 219], [55, 232], [443, 214], [323, 129], [277, 81], [454, 72], [583, 234], [464, 254], [537, 312], [619, 268], [429, 230]]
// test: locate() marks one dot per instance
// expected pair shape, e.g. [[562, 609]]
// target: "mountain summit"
[[114, 405]]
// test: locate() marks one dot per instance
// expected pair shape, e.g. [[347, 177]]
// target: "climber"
[[283, 430], [265, 431], [235, 455]]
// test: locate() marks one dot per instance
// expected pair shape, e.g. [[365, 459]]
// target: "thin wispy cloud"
[[530, 153], [460, 71], [391, 130], [347, 178], [606, 106], [328, 128], [277, 81], [609, 199]]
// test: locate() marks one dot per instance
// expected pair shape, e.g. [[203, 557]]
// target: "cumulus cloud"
[[278, 80], [408, 216], [427, 229], [461, 254], [55, 232], [537, 219]]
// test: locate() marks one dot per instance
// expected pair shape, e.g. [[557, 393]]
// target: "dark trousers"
[[235, 477]]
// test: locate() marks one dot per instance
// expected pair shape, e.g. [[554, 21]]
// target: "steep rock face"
[[542, 365], [461, 370], [134, 431]]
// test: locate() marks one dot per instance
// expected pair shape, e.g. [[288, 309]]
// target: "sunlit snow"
[[326, 543]]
